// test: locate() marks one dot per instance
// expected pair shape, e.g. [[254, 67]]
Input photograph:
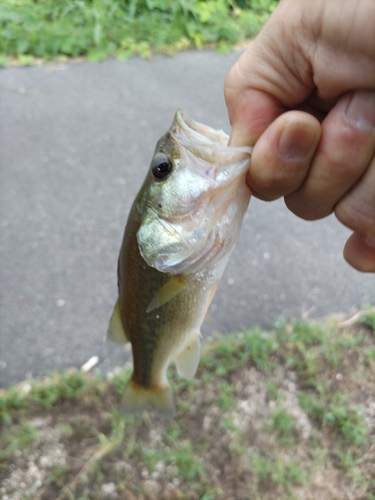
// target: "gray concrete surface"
[[75, 143]]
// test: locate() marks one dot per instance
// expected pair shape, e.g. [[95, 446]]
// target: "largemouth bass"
[[181, 229]]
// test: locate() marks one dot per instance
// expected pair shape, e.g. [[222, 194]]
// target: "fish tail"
[[137, 398]]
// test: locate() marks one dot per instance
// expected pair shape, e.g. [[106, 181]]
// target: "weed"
[[370, 355], [57, 475], [345, 420], [283, 424], [11, 401], [189, 466], [212, 494], [368, 317], [172, 433], [66, 430], [272, 390], [347, 459], [225, 396], [260, 346], [66, 386], [19, 438], [228, 355], [101, 28], [228, 423], [312, 405], [274, 469], [151, 456]]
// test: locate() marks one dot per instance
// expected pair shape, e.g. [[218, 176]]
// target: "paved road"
[[75, 144]]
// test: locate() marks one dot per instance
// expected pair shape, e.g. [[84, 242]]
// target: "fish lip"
[[205, 133], [211, 146]]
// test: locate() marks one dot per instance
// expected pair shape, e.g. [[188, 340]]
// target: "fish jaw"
[[193, 219]]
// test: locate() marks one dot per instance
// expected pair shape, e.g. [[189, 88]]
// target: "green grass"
[[97, 29], [274, 472], [333, 411], [368, 317], [283, 424], [18, 440], [235, 427]]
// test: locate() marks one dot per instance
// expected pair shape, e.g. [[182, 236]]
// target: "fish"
[[181, 229]]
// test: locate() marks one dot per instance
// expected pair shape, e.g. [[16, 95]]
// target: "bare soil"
[[243, 435]]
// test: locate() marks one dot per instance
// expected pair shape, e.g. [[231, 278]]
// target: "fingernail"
[[360, 110], [296, 140]]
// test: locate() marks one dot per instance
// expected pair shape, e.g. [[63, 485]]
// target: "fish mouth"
[[206, 150], [200, 133]]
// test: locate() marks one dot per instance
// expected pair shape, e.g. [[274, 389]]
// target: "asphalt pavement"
[[75, 143]]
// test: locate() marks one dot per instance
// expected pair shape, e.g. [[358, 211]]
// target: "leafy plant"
[[101, 28]]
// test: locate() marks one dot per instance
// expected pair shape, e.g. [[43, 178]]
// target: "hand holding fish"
[[304, 91]]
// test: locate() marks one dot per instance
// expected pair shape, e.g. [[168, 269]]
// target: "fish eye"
[[161, 167]]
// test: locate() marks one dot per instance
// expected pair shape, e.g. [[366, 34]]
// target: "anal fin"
[[187, 359], [116, 332]]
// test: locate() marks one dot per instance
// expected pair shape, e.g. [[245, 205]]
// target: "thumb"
[[250, 111]]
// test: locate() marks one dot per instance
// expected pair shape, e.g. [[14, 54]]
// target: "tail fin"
[[137, 399]]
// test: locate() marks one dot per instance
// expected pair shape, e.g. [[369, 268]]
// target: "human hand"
[[304, 92]]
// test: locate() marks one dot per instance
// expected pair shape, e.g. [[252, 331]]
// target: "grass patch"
[[275, 473], [283, 424], [98, 29], [267, 417]]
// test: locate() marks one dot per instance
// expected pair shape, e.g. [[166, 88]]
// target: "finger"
[[250, 111], [360, 254], [264, 82], [357, 211], [281, 157], [357, 208], [344, 152]]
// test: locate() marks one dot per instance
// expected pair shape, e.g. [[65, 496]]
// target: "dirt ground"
[[269, 416]]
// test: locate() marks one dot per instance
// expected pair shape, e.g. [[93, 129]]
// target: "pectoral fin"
[[188, 359], [170, 289], [116, 332]]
